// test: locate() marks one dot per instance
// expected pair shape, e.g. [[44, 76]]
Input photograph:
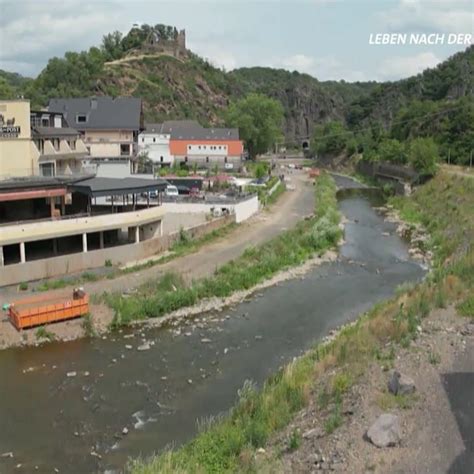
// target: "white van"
[[171, 191]]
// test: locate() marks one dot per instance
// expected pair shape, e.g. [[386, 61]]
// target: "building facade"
[[155, 144], [18, 155], [186, 142], [109, 128], [60, 147]]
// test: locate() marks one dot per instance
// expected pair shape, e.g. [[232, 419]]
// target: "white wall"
[[107, 169], [243, 210], [157, 145], [207, 150]]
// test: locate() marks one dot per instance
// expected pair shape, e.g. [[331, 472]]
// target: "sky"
[[329, 39]]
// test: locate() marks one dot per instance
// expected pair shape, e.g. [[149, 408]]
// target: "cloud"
[[33, 31], [404, 66], [323, 68], [447, 16], [218, 56]]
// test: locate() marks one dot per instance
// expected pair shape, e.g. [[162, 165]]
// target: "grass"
[[227, 444], [434, 358], [295, 440], [43, 333], [388, 401], [183, 246], [466, 307], [273, 198], [88, 326], [291, 248], [23, 286]]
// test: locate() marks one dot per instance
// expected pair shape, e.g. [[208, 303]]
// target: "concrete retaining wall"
[[77, 262], [242, 210]]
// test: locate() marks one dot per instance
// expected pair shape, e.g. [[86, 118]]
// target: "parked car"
[[171, 191]]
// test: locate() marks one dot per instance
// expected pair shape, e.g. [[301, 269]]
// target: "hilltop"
[[152, 62]]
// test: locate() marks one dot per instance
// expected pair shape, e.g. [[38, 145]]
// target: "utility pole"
[[449, 156], [470, 161]]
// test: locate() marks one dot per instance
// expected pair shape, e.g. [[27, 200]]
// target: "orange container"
[[48, 308], [314, 172]]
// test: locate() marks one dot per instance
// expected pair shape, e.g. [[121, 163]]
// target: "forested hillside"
[[191, 87]]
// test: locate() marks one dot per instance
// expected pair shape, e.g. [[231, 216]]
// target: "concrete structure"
[[155, 144], [242, 208], [80, 225], [77, 262], [18, 155], [109, 127]]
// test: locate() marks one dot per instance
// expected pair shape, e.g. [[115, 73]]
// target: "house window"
[[47, 169], [225, 159], [161, 159], [207, 159], [81, 118], [154, 140], [125, 149], [219, 147], [143, 139], [199, 146], [44, 122], [185, 159]]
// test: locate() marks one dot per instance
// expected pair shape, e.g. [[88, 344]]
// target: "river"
[[50, 420]]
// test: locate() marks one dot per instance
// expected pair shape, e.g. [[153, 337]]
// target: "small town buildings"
[[109, 128], [186, 142], [191, 143]]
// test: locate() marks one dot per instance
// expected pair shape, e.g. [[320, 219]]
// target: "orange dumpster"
[[48, 308], [314, 172]]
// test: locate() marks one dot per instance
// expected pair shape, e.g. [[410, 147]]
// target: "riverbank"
[[311, 237], [194, 266], [240, 441]]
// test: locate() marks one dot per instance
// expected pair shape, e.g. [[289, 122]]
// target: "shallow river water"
[[50, 420]]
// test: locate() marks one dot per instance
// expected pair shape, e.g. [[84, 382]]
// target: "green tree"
[[6, 90], [330, 138], [112, 46], [259, 119], [423, 155], [392, 150]]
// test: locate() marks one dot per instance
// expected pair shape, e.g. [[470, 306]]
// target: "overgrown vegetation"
[[43, 333], [227, 444], [88, 326], [310, 237]]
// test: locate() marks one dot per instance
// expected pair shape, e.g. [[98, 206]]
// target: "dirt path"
[[437, 422], [284, 214]]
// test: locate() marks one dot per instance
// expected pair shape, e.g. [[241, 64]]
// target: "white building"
[[156, 144]]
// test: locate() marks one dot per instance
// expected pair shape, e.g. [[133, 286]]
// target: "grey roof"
[[103, 113], [153, 128], [54, 132], [117, 186], [192, 130]]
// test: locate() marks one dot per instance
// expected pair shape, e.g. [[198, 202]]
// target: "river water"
[[74, 424]]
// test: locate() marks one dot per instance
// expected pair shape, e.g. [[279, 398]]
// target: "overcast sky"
[[328, 39]]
